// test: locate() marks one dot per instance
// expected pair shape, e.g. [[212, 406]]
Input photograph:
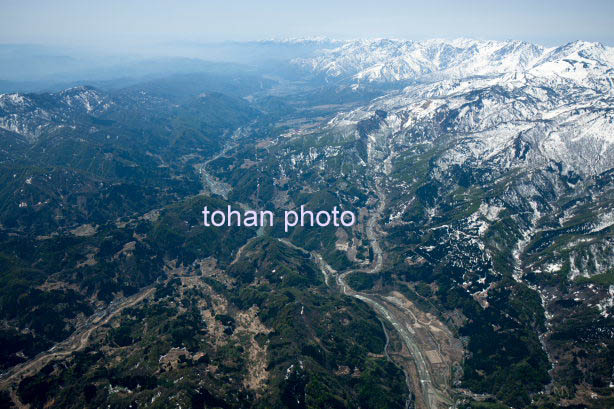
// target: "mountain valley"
[[479, 272]]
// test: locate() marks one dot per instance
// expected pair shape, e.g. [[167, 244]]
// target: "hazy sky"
[[121, 23]]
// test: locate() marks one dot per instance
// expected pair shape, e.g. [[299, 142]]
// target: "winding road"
[[76, 342], [429, 393], [432, 391]]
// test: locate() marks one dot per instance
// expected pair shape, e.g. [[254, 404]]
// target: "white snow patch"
[[553, 267], [605, 221]]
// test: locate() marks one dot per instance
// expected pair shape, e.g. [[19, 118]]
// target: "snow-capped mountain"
[[506, 103], [513, 120], [495, 161], [29, 114], [385, 60], [482, 173]]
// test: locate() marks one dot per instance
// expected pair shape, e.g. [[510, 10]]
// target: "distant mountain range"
[[397, 60], [479, 274]]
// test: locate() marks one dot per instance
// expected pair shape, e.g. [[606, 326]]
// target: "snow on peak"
[[388, 60], [29, 114]]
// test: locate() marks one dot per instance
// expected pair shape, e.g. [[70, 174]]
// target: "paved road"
[[76, 342], [434, 396]]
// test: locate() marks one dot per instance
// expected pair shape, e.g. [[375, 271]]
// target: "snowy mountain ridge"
[[512, 120], [384, 60], [30, 114]]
